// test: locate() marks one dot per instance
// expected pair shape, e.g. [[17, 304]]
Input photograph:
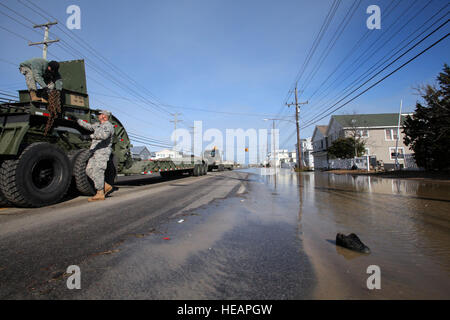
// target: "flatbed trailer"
[[37, 167]]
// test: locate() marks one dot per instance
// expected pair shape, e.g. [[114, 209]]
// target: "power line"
[[345, 21], [316, 43], [375, 67], [311, 51], [379, 81], [353, 50], [97, 55], [367, 50], [196, 109]]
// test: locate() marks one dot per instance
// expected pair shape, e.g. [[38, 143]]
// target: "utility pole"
[[397, 165], [192, 132], [297, 111], [46, 40], [175, 121], [274, 146]]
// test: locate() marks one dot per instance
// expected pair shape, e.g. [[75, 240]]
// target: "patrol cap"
[[105, 112]]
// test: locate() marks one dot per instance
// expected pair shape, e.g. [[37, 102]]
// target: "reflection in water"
[[406, 223], [346, 253]]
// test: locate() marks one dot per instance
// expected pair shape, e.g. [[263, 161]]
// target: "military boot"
[[34, 97], [108, 188], [99, 196]]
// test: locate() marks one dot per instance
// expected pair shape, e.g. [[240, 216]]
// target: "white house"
[[378, 131], [306, 150], [320, 144], [167, 153], [282, 158]]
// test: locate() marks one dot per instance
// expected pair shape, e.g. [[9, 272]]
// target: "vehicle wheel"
[[3, 201], [220, 167], [204, 169], [196, 170], [73, 155], [40, 176], [84, 184], [165, 174]]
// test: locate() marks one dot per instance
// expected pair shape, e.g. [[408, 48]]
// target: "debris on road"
[[351, 242], [181, 221], [105, 252]]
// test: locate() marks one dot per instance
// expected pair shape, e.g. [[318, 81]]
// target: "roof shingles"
[[369, 120]]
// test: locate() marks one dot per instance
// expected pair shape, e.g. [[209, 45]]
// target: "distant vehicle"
[[213, 158], [229, 165]]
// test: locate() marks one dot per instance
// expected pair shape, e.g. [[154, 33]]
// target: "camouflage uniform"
[[100, 151], [34, 70]]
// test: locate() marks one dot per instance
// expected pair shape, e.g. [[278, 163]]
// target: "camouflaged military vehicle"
[[41, 153]]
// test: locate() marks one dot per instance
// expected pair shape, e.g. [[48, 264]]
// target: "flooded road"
[[235, 235], [275, 239], [406, 224]]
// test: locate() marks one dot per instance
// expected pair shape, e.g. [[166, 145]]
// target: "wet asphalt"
[[189, 238], [234, 235]]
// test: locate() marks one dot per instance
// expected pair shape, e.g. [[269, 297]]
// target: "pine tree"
[[427, 131]]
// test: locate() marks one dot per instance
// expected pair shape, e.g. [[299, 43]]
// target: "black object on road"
[[351, 242]]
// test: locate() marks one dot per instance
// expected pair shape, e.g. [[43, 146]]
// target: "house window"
[[401, 153], [388, 133], [391, 134], [363, 133]]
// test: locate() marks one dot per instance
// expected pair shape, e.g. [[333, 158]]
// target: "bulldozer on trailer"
[[37, 166]]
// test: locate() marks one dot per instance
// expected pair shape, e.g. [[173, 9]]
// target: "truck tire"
[[73, 155], [165, 174], [203, 169], [40, 176], [220, 167], [196, 171], [84, 184], [3, 201]]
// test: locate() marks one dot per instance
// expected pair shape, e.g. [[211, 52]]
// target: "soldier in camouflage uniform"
[[100, 153], [43, 72]]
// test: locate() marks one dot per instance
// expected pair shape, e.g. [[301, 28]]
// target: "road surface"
[[152, 239], [234, 235]]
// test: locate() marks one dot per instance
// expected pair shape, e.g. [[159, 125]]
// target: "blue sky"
[[227, 56]]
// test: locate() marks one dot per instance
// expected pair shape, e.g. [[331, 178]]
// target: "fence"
[[360, 162], [410, 163]]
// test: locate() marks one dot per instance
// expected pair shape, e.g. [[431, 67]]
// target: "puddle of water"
[[406, 224]]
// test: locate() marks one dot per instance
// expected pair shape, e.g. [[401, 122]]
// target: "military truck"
[[37, 167]]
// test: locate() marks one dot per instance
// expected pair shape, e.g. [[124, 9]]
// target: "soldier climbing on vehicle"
[[45, 73], [100, 149]]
